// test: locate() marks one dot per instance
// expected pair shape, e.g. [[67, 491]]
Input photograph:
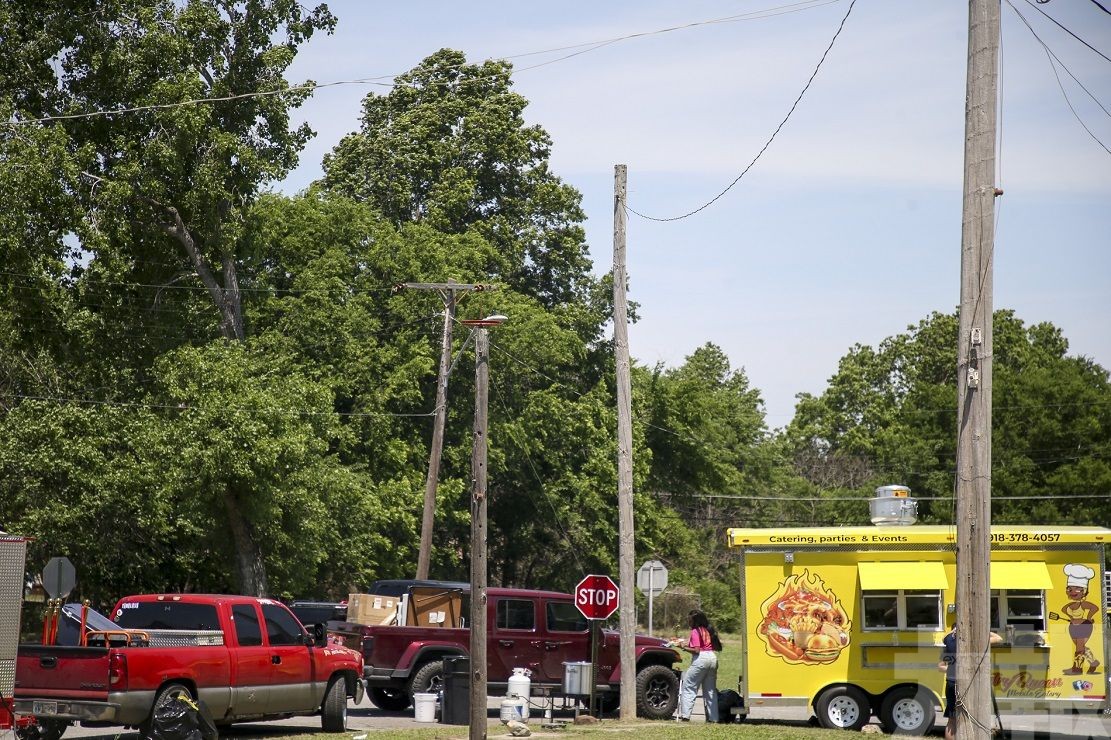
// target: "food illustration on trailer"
[[804, 622]]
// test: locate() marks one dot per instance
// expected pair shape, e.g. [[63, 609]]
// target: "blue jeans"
[[703, 672]]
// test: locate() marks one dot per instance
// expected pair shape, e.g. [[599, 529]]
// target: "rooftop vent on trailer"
[[893, 506]]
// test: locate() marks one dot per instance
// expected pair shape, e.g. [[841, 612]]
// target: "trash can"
[[456, 706]]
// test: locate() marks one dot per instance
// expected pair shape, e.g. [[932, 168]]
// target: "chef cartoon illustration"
[[1080, 614]]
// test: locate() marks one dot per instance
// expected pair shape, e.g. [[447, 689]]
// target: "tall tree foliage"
[[448, 146], [157, 193], [889, 415]]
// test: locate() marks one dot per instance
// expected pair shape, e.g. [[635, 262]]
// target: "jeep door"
[[515, 639], [566, 638]]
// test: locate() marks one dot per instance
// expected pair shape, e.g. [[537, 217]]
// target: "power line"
[[378, 80], [1066, 30], [767, 144]]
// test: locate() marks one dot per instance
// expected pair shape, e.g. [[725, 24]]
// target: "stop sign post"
[[597, 597]]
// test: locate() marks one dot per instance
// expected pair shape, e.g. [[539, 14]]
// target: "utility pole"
[[974, 352], [447, 291], [478, 538], [626, 550]]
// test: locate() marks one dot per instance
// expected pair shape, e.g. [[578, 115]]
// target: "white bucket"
[[514, 709], [424, 707]]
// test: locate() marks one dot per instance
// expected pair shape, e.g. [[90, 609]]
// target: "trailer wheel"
[[333, 711], [908, 710], [657, 692], [389, 700], [843, 708]]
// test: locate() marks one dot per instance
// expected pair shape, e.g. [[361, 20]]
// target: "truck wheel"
[[390, 700], [657, 692], [907, 710], [428, 679], [843, 708], [333, 712], [168, 693]]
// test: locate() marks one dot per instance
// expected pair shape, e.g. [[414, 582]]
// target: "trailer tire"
[[907, 710], [390, 700], [333, 710], [843, 708], [429, 678], [657, 689]]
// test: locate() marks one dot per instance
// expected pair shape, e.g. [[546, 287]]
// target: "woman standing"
[[703, 644]]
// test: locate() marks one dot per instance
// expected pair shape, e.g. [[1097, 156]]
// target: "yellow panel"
[[921, 534], [1020, 574], [892, 576]]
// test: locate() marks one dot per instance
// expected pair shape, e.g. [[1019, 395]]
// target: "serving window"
[[901, 609], [1021, 609]]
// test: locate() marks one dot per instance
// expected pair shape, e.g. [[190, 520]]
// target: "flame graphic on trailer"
[[804, 622]]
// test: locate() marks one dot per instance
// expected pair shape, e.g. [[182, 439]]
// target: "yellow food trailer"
[[850, 620]]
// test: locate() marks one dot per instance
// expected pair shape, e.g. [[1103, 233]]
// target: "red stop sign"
[[597, 597]]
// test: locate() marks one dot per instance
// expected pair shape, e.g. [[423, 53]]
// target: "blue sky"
[[848, 228]]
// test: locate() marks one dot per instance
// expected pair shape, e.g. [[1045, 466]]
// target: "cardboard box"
[[371, 609], [434, 607]]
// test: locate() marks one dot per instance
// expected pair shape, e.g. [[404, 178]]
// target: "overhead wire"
[[1066, 29], [767, 144]]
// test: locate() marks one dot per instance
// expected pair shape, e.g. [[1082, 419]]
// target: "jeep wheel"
[[428, 679], [657, 692], [389, 700]]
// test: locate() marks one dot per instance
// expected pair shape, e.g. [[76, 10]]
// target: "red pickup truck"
[[246, 658], [537, 630]]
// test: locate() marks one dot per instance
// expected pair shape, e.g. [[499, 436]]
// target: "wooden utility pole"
[[447, 291], [974, 352], [478, 537], [626, 550]]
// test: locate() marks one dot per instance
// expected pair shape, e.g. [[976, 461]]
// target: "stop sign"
[[597, 597]]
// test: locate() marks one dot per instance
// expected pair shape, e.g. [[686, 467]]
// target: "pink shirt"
[[700, 640]]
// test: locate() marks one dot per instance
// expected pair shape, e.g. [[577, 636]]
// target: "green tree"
[[889, 415], [157, 195], [448, 147]]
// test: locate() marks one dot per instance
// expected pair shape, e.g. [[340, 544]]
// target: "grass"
[[611, 729]]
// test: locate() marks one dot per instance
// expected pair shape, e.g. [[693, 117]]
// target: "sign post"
[[597, 598], [652, 580]]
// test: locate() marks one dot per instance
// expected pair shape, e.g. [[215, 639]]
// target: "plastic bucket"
[[424, 707]]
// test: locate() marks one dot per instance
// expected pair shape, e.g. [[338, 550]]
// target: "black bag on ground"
[[726, 701], [180, 718]]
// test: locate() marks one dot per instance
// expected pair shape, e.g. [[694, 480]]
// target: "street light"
[[478, 522]]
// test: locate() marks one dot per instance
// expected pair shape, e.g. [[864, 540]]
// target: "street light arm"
[[455, 360]]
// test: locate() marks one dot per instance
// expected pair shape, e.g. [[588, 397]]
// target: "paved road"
[[369, 718]]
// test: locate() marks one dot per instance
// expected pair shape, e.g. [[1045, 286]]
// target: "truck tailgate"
[[55, 670]]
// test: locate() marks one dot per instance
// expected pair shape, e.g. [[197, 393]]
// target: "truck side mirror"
[[317, 635]]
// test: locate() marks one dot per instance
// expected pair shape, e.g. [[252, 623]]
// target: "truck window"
[[563, 616], [902, 610], [1022, 609], [166, 615], [282, 628], [247, 631], [516, 614]]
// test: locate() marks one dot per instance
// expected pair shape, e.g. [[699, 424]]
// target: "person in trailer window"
[[948, 665]]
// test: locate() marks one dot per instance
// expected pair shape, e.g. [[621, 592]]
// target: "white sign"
[[652, 578]]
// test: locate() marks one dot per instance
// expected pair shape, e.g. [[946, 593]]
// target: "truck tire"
[[389, 700], [657, 692], [168, 692], [429, 678], [333, 711], [843, 708], [907, 710]]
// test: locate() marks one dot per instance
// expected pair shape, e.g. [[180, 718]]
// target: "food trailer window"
[[902, 609], [1022, 609]]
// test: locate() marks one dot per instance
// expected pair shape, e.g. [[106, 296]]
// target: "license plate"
[[44, 707]]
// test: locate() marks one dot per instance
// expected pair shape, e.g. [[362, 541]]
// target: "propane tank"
[[519, 684], [514, 709]]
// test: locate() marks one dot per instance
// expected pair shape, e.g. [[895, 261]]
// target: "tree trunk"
[[250, 573]]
